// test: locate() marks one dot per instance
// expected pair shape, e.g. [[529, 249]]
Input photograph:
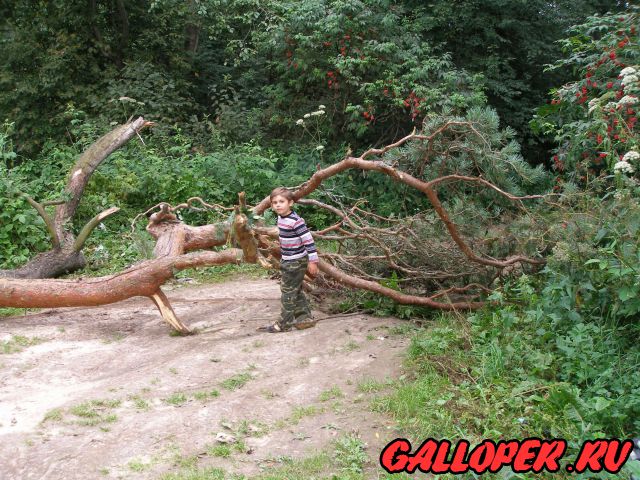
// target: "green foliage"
[[22, 230], [507, 44], [556, 355], [365, 62]]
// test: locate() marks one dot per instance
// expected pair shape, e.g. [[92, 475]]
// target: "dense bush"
[[593, 119]]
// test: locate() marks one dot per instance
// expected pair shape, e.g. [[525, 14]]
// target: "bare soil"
[[282, 395]]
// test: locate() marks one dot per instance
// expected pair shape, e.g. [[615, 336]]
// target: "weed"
[[138, 466], [331, 394], [206, 395], [211, 473], [304, 362], [351, 346], [14, 312], [177, 398], [173, 370], [93, 412], [350, 454], [236, 381], [54, 415], [300, 412], [17, 343], [403, 329], [139, 403], [221, 450], [371, 385], [185, 461], [268, 394]]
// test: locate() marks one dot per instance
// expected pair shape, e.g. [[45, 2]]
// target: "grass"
[[301, 412], [54, 415], [14, 312], [189, 462], [178, 398], [344, 461], [370, 385], [138, 466], [211, 473], [455, 391], [225, 450], [221, 450], [139, 403], [95, 412], [332, 394], [351, 346], [17, 343], [236, 381], [206, 395], [248, 428]]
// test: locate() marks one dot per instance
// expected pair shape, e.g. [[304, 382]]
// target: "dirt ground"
[[107, 392]]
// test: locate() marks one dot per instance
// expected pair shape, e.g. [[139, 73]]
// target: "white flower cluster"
[[628, 100], [631, 156], [623, 167], [317, 113], [630, 79], [627, 71]]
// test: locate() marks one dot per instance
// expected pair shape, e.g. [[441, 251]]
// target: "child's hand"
[[312, 269]]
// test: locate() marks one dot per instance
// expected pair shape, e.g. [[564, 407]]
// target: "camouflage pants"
[[295, 307]]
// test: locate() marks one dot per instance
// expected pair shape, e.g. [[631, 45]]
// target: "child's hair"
[[281, 192]]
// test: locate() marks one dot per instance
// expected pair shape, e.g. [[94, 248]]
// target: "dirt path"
[[107, 393]]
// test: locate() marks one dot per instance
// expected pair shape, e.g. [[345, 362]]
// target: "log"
[[142, 280]]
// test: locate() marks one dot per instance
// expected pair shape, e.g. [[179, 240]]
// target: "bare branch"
[[91, 224], [48, 221]]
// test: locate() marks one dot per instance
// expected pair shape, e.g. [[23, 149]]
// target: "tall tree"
[[509, 43]]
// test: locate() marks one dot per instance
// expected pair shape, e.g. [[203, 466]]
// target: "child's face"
[[281, 205]]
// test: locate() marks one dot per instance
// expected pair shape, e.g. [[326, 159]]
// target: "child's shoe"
[[306, 323], [274, 328]]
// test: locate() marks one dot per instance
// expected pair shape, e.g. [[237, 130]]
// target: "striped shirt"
[[295, 239]]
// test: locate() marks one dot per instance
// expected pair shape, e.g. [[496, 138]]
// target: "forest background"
[[236, 88]]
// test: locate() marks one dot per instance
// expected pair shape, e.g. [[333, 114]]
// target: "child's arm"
[[307, 240]]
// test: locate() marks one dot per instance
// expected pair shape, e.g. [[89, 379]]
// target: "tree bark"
[[144, 279]]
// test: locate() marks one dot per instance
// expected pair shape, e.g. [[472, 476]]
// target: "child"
[[298, 255]]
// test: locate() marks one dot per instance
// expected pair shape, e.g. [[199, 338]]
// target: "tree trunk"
[[144, 279], [66, 254]]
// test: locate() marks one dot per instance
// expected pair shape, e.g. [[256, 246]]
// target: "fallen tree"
[[66, 255], [257, 244]]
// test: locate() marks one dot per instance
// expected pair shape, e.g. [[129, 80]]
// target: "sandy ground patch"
[[107, 392]]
